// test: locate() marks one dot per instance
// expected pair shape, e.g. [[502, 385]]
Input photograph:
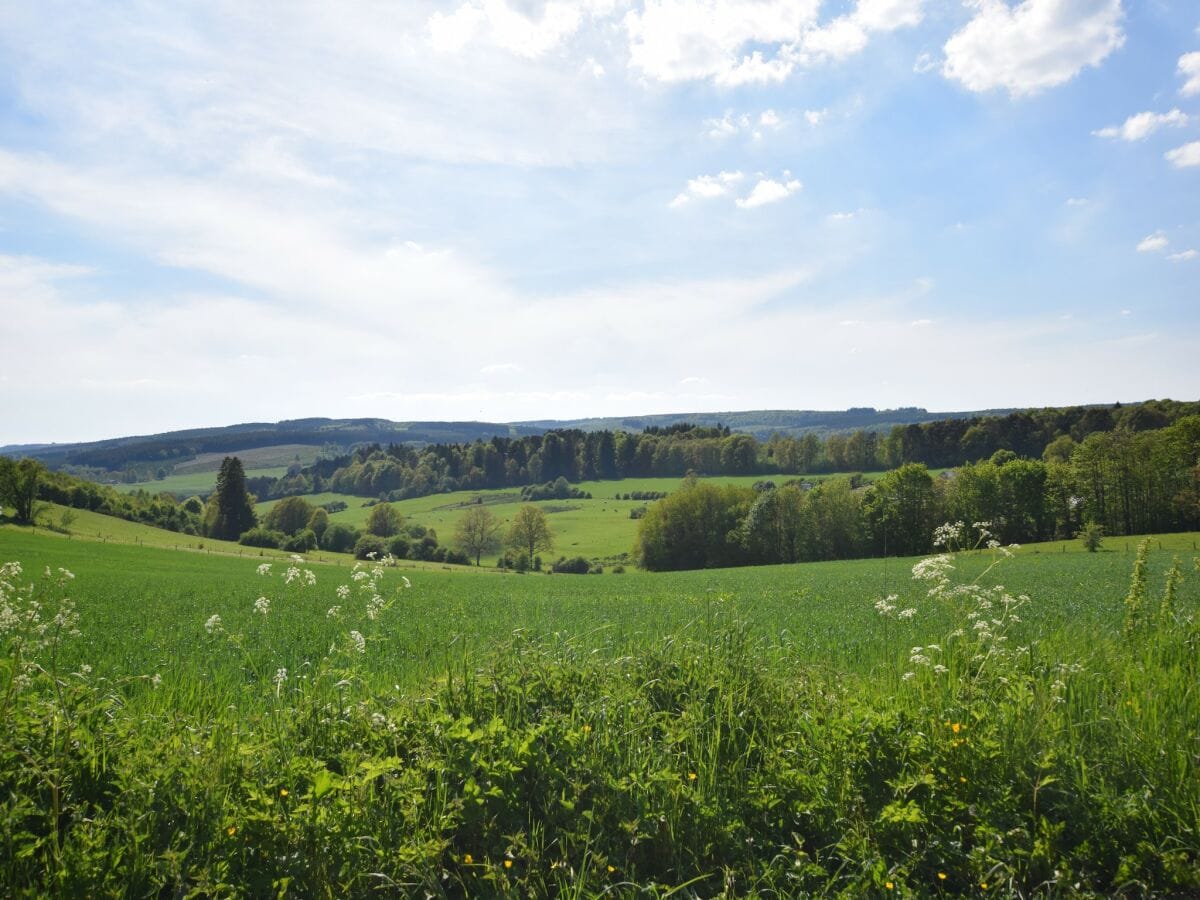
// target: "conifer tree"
[[231, 508]]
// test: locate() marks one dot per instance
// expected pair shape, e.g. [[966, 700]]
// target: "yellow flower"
[[941, 876], [962, 778], [508, 864], [611, 870], [468, 858], [888, 885], [283, 792], [586, 729], [691, 776], [983, 884], [956, 728], [231, 830]]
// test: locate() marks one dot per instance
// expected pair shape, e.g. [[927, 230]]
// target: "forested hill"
[[762, 423], [116, 454]]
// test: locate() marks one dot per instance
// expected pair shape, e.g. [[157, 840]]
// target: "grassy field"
[[760, 731], [199, 475], [600, 528]]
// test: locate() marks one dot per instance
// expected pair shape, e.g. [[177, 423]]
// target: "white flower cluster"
[[213, 625], [262, 605], [30, 624]]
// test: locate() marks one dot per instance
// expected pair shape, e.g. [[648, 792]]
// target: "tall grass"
[[977, 748]]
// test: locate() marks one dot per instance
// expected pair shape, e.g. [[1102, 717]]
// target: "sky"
[[219, 212]]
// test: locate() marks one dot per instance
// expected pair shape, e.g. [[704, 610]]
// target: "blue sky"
[[513, 209]]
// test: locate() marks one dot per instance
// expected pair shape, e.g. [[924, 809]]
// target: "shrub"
[[262, 537], [458, 558], [399, 547], [576, 565], [368, 545], [1092, 535], [301, 542], [339, 538]]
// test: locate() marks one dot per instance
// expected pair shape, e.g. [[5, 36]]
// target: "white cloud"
[[1153, 243], [1034, 45], [815, 117], [1189, 68], [924, 63], [731, 124], [495, 22], [1077, 201], [500, 369], [1183, 256], [768, 190], [686, 40], [1141, 126], [707, 187], [693, 380], [769, 119], [921, 323], [1184, 157]]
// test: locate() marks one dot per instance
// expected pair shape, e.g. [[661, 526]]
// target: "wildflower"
[[962, 779], [956, 727], [280, 678], [360, 642], [508, 864], [906, 613], [941, 876], [888, 885], [586, 729], [907, 676], [283, 792], [468, 859], [407, 583], [156, 681], [231, 830], [983, 884], [884, 607], [940, 669], [262, 605], [213, 625], [343, 592], [264, 569], [691, 776], [333, 612]]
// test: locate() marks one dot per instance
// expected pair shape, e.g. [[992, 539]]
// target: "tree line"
[[1120, 482], [400, 471]]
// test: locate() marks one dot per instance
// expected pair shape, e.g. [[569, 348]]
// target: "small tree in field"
[[1092, 534], [530, 532], [478, 532], [384, 521], [19, 487]]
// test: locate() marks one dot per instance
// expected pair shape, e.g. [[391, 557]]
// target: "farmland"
[[762, 729]]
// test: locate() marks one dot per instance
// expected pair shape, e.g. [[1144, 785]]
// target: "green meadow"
[[177, 721]]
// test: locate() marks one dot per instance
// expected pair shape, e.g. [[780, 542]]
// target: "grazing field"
[[216, 730], [199, 474]]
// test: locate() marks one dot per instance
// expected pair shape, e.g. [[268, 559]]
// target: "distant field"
[[599, 528], [199, 475]]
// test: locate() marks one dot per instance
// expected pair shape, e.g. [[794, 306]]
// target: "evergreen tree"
[[231, 508]]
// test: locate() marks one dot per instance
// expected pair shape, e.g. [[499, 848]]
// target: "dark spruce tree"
[[231, 509]]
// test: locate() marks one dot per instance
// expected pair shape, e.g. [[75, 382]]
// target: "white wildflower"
[[407, 583], [360, 642], [264, 569], [940, 669], [906, 613], [281, 676], [262, 605], [333, 612], [213, 625], [907, 676], [343, 592], [156, 681]]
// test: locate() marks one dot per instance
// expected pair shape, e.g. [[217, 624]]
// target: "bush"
[[301, 542], [334, 506], [399, 547], [368, 545], [458, 558], [576, 565], [1092, 535], [339, 538], [262, 537]]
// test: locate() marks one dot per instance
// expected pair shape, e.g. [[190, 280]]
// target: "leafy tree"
[[902, 509], [290, 515], [695, 527], [478, 532], [231, 508], [340, 538], [318, 522], [19, 487], [530, 532], [384, 521]]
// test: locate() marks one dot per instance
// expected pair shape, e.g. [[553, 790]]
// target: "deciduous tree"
[[530, 531], [478, 532]]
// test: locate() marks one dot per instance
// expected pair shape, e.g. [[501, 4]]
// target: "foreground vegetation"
[[772, 731]]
